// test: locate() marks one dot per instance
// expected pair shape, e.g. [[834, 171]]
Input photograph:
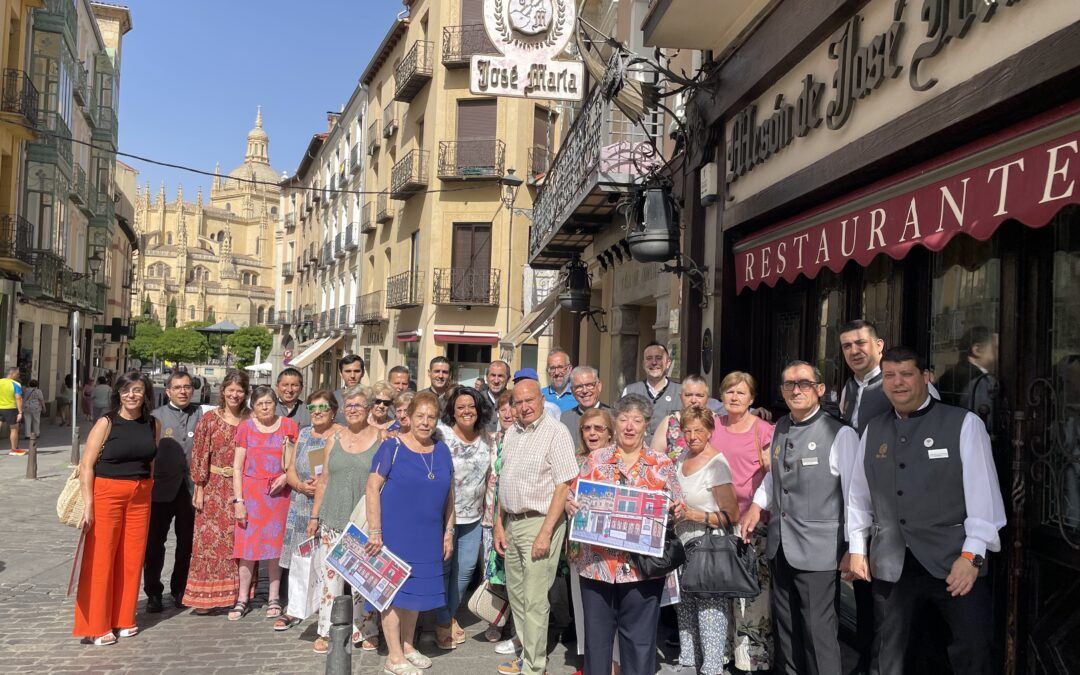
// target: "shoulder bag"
[[719, 564], [358, 516], [489, 603], [69, 506]]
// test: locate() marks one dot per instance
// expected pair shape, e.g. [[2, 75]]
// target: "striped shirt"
[[536, 459]]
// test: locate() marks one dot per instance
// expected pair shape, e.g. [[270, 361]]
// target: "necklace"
[[431, 466]]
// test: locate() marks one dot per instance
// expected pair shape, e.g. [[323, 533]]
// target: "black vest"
[[916, 482], [873, 402]]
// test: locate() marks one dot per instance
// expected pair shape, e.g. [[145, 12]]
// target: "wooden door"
[[471, 261]]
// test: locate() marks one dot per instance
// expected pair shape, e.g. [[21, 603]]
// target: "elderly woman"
[[260, 497], [668, 437], [615, 599], [492, 561], [321, 409], [401, 411], [744, 439], [338, 490], [708, 501], [214, 580], [382, 405], [115, 480], [462, 429], [410, 507]]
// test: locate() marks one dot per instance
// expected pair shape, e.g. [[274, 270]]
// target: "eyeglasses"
[[131, 392], [583, 386], [182, 387], [319, 407], [349, 406], [803, 385], [558, 368], [383, 401], [595, 427]]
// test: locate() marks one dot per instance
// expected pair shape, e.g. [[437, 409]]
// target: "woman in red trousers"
[[116, 478]]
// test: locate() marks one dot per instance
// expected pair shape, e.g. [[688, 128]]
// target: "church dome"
[[257, 158]]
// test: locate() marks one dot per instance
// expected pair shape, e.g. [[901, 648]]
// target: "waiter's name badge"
[[938, 453], [809, 461]]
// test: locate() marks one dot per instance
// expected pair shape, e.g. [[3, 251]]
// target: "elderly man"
[[531, 374], [351, 368], [586, 385], [538, 467], [558, 389], [290, 387], [657, 387], [171, 496], [925, 482], [399, 378], [439, 376], [496, 378]]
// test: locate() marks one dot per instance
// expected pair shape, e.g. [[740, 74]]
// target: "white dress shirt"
[[861, 384], [982, 494]]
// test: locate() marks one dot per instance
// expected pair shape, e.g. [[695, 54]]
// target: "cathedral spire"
[[258, 142]]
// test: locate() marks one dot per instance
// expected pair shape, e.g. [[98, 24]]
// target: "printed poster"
[[376, 577], [620, 517]]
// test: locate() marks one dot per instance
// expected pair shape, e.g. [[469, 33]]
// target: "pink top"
[[744, 453]]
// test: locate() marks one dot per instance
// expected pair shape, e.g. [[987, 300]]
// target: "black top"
[[128, 450]]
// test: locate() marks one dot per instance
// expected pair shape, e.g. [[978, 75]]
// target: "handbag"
[[69, 505], [358, 516], [306, 576], [721, 565], [652, 567], [490, 604]]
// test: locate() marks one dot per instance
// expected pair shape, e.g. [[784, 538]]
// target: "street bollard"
[[31, 459], [339, 658]]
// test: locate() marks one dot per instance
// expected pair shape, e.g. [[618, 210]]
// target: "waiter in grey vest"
[[925, 484], [172, 492], [657, 386], [812, 455]]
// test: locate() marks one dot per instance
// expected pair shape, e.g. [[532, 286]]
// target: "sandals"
[[371, 644], [129, 632], [417, 659], [400, 669], [458, 632], [285, 622], [444, 637], [322, 645], [239, 611], [105, 640], [274, 609]]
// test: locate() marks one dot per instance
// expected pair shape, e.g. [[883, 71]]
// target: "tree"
[[170, 314], [147, 306], [197, 324], [210, 319], [144, 343], [182, 344], [243, 342]]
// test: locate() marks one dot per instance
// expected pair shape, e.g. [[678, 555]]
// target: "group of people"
[[897, 493]]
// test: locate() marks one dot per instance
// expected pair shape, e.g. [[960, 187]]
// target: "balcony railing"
[[331, 319], [414, 71], [286, 269], [351, 237], [79, 189], [43, 281], [370, 308], [339, 245], [20, 96], [106, 118], [354, 158], [58, 136], [384, 211], [405, 290], [82, 83], [466, 286], [327, 255], [390, 119], [409, 175], [290, 220], [16, 234], [313, 253], [539, 163], [343, 318], [460, 43], [367, 217], [471, 160], [373, 137]]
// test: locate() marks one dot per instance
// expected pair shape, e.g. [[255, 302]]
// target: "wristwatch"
[[237, 501], [975, 560]]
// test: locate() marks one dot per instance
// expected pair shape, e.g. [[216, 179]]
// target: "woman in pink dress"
[[744, 441], [260, 496]]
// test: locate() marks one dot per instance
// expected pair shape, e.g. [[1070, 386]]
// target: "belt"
[[226, 471], [525, 514]]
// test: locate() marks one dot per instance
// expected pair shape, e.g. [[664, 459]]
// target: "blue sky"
[[194, 70]]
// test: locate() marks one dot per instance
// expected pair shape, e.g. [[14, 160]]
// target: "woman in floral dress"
[[212, 580]]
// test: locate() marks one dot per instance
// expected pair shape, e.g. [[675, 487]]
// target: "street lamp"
[[94, 262], [510, 184]]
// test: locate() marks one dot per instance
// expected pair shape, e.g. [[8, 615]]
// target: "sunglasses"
[[318, 407], [383, 401]]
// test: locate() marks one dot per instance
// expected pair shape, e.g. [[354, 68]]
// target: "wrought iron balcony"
[[331, 319], [313, 253], [82, 84], [57, 136], [409, 175], [466, 286], [290, 220], [16, 235], [384, 210], [20, 96], [370, 308], [286, 269], [327, 255], [405, 290], [80, 192], [460, 43], [373, 138], [471, 160], [339, 245], [367, 217], [414, 71], [350, 239], [602, 155], [390, 119], [539, 163], [343, 319], [354, 158], [273, 319], [106, 119]]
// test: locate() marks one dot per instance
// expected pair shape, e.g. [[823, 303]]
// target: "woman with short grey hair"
[[635, 403]]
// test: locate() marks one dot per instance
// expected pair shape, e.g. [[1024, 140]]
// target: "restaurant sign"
[[1027, 174], [530, 34]]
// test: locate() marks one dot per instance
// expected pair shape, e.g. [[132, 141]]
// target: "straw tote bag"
[[69, 506]]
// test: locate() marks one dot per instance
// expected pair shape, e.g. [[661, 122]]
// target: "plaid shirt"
[[536, 459]]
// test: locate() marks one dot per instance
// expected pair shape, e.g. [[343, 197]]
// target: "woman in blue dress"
[[412, 484]]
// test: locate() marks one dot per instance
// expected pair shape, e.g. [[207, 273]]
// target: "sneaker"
[[508, 647], [511, 667], [17, 452]]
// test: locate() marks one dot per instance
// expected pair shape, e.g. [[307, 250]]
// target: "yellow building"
[[211, 261], [442, 266]]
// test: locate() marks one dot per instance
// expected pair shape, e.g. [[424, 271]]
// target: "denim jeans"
[[458, 570]]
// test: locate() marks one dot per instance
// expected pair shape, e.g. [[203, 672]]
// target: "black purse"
[[652, 567], [721, 565]]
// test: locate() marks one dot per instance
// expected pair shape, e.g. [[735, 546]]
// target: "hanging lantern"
[[654, 226], [576, 293]]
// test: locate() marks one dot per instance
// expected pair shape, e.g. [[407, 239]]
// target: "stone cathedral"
[[211, 260]]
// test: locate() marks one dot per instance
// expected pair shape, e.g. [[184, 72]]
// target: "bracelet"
[[450, 530], [316, 518], [374, 532]]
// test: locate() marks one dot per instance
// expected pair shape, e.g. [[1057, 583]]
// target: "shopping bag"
[[306, 575], [490, 604]]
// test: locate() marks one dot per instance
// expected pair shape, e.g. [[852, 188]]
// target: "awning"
[[407, 336], [533, 322], [308, 356], [466, 336], [1027, 173]]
